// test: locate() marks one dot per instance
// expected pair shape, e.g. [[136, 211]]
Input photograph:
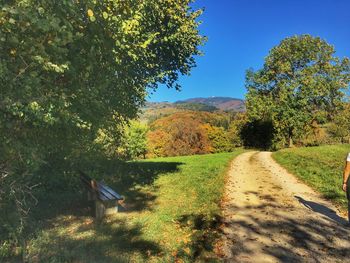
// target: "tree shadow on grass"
[[127, 174], [134, 180], [80, 240], [205, 232]]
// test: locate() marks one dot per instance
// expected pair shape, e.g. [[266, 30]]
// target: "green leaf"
[[41, 10]]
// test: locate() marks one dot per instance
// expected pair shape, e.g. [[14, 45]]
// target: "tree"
[[181, 133], [301, 83], [70, 70], [235, 129], [194, 132], [188, 137], [339, 128], [134, 142], [219, 139], [156, 142]]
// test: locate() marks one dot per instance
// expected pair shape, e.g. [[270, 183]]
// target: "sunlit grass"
[[172, 216], [320, 167]]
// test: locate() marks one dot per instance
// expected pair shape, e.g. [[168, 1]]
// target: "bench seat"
[[106, 200]]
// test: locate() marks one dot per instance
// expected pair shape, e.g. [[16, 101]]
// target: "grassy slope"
[[320, 167], [173, 213]]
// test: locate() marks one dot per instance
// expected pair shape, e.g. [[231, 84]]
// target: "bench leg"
[[99, 210]]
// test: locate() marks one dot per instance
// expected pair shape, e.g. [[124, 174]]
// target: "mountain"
[[155, 110], [222, 103]]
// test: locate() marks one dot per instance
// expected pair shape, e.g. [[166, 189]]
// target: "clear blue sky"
[[241, 32]]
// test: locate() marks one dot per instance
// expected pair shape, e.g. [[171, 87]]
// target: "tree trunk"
[[290, 142]]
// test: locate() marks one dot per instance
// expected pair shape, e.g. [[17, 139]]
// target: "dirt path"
[[271, 217]]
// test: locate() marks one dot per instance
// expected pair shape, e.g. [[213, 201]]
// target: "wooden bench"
[[106, 200]]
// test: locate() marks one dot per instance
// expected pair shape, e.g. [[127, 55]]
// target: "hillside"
[[222, 103], [155, 110]]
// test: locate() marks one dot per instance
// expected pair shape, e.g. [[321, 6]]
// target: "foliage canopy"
[[191, 132], [71, 69], [301, 83]]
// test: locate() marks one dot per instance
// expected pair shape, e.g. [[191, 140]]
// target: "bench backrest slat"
[[111, 192], [104, 192]]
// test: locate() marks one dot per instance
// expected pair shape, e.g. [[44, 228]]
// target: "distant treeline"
[[196, 106], [180, 133], [200, 132]]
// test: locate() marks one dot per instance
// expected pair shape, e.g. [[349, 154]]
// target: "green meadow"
[[172, 213], [320, 167]]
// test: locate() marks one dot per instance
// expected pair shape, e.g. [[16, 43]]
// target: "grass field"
[[172, 215], [320, 167]]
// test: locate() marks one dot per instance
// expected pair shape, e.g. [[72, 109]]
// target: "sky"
[[241, 33]]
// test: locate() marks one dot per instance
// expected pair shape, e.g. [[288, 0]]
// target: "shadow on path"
[[285, 232], [321, 209], [286, 238], [264, 222]]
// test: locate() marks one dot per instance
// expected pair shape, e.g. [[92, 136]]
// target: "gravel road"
[[270, 216]]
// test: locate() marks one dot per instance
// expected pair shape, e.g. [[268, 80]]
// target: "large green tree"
[[69, 69], [301, 82]]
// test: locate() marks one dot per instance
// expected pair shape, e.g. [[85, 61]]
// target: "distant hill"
[[155, 110], [222, 103]]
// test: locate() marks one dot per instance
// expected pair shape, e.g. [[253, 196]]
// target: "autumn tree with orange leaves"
[[190, 132]]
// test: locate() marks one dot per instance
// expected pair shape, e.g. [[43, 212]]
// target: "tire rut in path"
[[272, 217]]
